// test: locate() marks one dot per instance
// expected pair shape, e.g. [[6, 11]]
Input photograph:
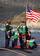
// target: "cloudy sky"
[[15, 2], [9, 8]]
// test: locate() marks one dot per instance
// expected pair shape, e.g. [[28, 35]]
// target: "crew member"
[[14, 39], [8, 34]]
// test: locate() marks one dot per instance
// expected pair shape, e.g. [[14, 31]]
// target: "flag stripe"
[[32, 15]]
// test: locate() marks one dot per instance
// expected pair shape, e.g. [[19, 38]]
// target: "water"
[[36, 35], [2, 36], [2, 39]]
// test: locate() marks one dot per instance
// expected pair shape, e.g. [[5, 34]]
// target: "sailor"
[[14, 39], [20, 30], [8, 34]]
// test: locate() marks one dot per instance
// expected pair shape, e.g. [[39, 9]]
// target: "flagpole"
[[27, 4], [25, 13]]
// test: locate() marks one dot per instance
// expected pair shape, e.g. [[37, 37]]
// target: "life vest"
[[15, 35], [23, 30]]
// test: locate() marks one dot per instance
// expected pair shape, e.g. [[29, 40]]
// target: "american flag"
[[32, 15]]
